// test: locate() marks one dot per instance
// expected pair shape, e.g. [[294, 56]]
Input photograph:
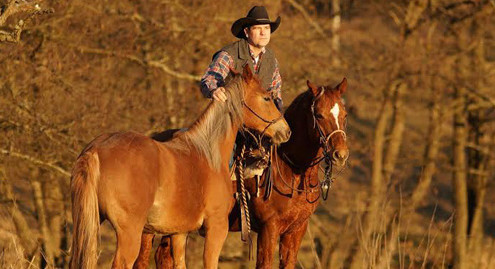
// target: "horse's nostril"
[[339, 155], [289, 132]]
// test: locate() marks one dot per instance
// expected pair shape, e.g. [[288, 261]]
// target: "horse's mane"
[[218, 118]]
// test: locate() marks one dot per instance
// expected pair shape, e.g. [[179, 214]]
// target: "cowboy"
[[253, 32]]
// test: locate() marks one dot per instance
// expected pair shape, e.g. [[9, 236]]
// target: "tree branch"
[[157, 64], [14, 7], [308, 18], [35, 161]]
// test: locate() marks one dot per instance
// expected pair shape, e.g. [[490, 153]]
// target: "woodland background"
[[421, 101]]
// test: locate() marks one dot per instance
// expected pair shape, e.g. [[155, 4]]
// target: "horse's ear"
[[247, 74], [312, 87], [342, 87]]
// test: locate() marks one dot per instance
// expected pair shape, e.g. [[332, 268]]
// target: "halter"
[[270, 122], [324, 139]]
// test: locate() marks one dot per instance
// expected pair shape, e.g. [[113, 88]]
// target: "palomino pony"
[[317, 119], [173, 188]]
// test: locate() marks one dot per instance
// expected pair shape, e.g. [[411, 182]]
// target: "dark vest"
[[239, 51]]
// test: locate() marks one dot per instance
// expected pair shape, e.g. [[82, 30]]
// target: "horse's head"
[[329, 118], [259, 110]]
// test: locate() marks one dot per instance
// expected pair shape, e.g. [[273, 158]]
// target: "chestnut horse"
[[172, 188], [317, 119]]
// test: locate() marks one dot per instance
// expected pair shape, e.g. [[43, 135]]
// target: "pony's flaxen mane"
[[210, 128]]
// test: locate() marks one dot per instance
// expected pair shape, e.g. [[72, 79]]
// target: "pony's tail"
[[85, 214]]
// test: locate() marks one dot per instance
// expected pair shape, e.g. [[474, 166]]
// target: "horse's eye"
[[267, 98], [319, 116]]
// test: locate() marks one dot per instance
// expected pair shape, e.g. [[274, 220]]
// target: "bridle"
[[258, 136], [324, 140], [326, 184], [270, 122]]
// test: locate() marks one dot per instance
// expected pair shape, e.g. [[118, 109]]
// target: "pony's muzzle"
[[281, 131]]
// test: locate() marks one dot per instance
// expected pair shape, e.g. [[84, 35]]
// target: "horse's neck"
[[217, 123], [295, 159], [303, 148], [227, 145]]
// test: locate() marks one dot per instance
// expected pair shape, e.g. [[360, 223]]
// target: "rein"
[[311, 190]]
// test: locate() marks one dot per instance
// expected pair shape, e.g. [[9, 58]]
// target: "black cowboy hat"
[[257, 15]]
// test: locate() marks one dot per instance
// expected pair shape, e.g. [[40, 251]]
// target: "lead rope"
[[246, 215], [326, 185]]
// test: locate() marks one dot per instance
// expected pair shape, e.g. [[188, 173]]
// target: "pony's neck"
[[303, 147], [213, 134]]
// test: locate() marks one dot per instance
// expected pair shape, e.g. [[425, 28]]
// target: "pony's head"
[[329, 118], [259, 110]]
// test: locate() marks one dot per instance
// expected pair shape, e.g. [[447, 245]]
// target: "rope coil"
[[246, 214]]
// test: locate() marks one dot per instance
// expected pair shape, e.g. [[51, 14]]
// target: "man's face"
[[258, 35]]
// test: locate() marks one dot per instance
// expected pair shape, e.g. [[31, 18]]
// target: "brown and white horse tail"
[[85, 214]]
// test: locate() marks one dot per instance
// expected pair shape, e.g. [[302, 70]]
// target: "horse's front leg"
[[267, 241], [217, 229], [144, 253], [290, 242]]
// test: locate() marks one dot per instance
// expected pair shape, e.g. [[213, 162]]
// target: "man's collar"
[[245, 51], [252, 54]]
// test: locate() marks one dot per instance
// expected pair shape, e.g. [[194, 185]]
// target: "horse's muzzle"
[[339, 157], [282, 132]]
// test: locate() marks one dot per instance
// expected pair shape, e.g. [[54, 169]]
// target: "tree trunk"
[[434, 133], [371, 220], [396, 133], [46, 238], [478, 159], [55, 216], [459, 180], [27, 238], [335, 31]]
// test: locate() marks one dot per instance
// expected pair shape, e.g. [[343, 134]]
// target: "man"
[[253, 32]]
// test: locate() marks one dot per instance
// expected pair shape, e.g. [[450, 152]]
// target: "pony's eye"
[[267, 98], [319, 116]]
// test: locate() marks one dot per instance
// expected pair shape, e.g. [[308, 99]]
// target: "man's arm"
[[276, 87], [216, 73]]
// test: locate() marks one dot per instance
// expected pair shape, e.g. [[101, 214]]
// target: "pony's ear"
[[312, 87], [247, 74], [342, 87]]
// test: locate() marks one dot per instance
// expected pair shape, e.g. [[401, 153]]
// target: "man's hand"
[[219, 94]]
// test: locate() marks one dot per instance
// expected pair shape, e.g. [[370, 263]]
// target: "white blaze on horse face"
[[335, 112]]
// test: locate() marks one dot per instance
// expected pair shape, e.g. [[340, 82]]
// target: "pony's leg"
[[179, 250], [267, 241], [128, 244], [290, 242], [163, 254], [144, 253], [216, 233]]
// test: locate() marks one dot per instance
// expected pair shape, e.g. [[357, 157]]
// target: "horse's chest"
[[298, 208], [283, 209]]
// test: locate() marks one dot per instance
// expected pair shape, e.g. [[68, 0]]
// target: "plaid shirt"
[[219, 68]]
